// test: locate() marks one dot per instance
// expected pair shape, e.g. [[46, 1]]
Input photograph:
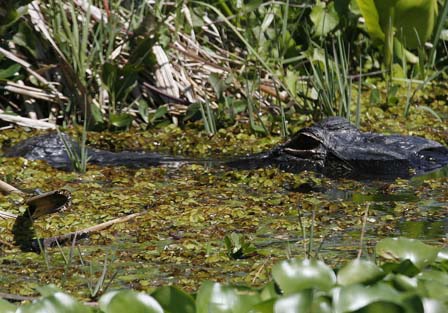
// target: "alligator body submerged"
[[333, 147]]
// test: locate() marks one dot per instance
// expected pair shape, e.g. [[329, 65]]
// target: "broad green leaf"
[[443, 255], [264, 307], [9, 72], [160, 112], [296, 275], [121, 120], [370, 13], [238, 106], [413, 20], [217, 298], [355, 297], [297, 302], [322, 304], [324, 18], [434, 306], [218, 84], [405, 267], [402, 249], [57, 302], [268, 292], [6, 307], [404, 282], [433, 284], [174, 300], [96, 114], [128, 301], [294, 303], [383, 307], [433, 275], [143, 110], [402, 53], [359, 271], [411, 303]]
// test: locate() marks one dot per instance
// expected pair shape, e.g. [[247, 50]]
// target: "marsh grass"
[[77, 151], [441, 24], [106, 57], [97, 285], [332, 82]]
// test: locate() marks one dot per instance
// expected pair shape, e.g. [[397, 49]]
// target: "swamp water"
[[190, 210]]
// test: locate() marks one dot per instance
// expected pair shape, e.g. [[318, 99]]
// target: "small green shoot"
[[237, 247]]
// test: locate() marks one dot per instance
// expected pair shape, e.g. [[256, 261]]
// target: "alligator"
[[333, 147]]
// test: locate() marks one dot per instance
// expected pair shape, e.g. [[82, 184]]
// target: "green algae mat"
[[202, 223]]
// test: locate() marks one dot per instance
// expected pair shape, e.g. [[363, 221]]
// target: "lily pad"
[[434, 306], [128, 301], [296, 275], [405, 267], [294, 303], [355, 297], [57, 302], [359, 271], [268, 292], [404, 282], [443, 255], [173, 299], [402, 249], [264, 307], [217, 298], [433, 284], [7, 307]]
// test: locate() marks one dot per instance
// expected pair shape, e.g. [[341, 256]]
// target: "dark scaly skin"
[[333, 147]]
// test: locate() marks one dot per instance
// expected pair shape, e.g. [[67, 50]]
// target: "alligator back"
[[49, 147], [333, 147]]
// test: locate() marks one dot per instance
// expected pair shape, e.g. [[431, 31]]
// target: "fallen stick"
[[53, 241], [6, 215], [27, 122], [6, 188], [51, 202], [14, 297]]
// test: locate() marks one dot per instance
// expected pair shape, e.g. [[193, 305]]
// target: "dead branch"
[[27, 122], [53, 241]]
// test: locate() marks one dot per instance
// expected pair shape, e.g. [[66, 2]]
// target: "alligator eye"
[[304, 142]]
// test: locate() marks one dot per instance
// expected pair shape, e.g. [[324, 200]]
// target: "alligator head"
[[312, 148], [336, 148]]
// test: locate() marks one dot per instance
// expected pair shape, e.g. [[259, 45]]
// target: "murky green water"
[[189, 210]]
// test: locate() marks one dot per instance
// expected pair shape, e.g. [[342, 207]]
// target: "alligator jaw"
[[317, 154], [307, 146]]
